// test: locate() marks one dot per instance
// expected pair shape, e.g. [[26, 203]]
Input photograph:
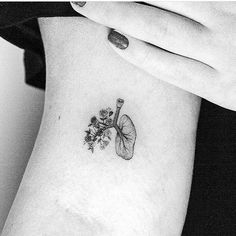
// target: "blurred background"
[[21, 108]]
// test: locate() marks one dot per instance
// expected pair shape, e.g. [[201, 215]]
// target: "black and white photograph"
[[118, 118]]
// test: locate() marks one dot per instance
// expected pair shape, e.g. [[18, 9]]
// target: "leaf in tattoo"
[[99, 132]]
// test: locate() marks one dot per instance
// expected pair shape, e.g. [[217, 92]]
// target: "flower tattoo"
[[99, 132]]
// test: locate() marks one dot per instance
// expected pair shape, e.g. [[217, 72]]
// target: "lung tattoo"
[[99, 132]]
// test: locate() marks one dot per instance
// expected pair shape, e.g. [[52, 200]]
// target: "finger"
[[155, 26], [201, 12], [185, 73]]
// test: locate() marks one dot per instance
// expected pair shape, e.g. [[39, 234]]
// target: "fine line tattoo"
[[99, 131]]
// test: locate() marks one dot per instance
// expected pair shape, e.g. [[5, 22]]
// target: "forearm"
[[101, 193]]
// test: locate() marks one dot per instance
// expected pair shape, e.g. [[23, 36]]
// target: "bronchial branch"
[[99, 131]]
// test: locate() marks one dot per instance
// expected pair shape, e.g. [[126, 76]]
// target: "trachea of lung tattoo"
[[99, 132]]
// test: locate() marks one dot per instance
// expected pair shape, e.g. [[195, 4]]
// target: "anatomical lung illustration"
[[99, 131]]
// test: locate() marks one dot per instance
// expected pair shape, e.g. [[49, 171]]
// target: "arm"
[[67, 189]]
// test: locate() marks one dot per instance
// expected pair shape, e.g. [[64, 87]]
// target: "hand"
[[191, 45]]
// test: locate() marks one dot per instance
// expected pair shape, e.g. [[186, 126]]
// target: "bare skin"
[[66, 189]]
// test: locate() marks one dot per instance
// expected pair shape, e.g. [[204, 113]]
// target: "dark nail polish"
[[119, 40], [80, 4]]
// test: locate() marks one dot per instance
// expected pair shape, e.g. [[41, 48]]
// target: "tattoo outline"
[[99, 131]]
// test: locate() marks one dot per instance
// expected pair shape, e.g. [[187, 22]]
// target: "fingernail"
[[119, 40], [80, 4]]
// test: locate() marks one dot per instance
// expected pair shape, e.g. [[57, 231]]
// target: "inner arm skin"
[[67, 190]]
